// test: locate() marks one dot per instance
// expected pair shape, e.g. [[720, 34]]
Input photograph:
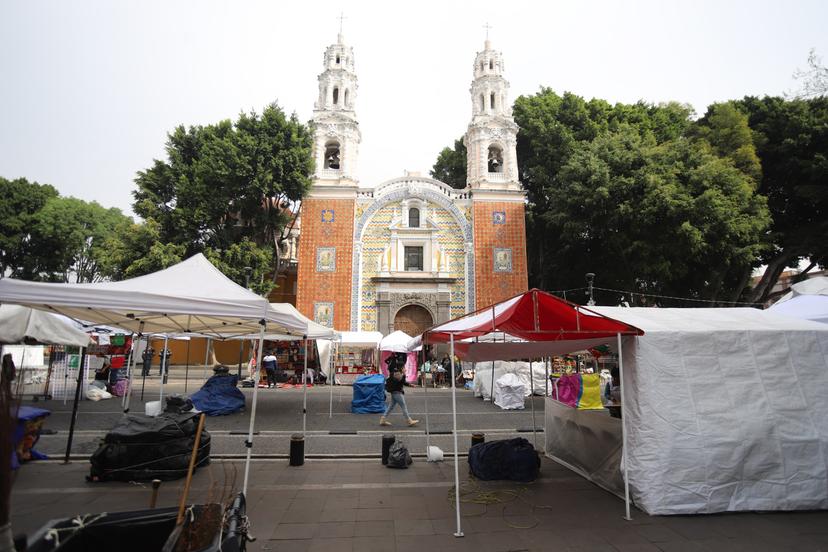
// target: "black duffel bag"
[[512, 459]]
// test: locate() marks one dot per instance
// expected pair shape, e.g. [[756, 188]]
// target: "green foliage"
[[228, 183], [792, 142], [22, 200], [450, 167], [624, 191], [158, 256], [233, 261]]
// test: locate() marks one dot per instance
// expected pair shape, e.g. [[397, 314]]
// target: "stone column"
[[443, 307], [384, 322]]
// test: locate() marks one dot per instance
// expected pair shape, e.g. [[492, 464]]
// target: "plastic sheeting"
[[482, 384], [369, 395], [509, 392], [587, 442], [219, 396], [725, 410]]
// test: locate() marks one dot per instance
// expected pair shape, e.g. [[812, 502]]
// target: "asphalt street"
[[331, 427]]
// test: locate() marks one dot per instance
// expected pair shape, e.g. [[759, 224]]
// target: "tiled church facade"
[[410, 251]]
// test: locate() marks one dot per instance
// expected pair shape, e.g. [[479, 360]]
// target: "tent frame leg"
[[459, 532], [81, 363], [249, 442], [624, 434], [305, 389]]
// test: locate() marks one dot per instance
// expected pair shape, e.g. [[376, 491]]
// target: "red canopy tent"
[[537, 318], [546, 324]]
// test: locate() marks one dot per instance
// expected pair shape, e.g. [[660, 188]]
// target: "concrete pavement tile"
[[307, 503], [343, 514], [374, 528], [411, 513], [331, 545], [636, 547], [385, 543], [485, 525], [342, 529], [410, 527], [286, 545], [659, 533], [682, 546], [300, 515], [294, 531], [370, 498], [577, 539], [421, 543], [374, 514], [624, 535], [544, 540], [336, 502]]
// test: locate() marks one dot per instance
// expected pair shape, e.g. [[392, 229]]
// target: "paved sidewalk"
[[361, 506]]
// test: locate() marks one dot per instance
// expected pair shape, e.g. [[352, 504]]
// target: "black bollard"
[[387, 440], [156, 483], [478, 438], [297, 449]]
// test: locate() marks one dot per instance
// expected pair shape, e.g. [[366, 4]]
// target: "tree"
[[624, 188], [21, 202], [792, 144], [814, 79], [450, 166], [68, 237], [229, 184]]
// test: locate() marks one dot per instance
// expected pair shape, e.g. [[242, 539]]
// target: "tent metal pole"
[[624, 434], [331, 370], [187, 369], [546, 376], [130, 372], [425, 390], [75, 404], [459, 532], [532, 398], [129, 384], [249, 442], [164, 369], [206, 360], [305, 390]]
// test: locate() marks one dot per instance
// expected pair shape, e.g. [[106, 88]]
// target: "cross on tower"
[[341, 19], [487, 27]]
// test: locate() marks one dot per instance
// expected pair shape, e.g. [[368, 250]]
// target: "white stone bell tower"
[[335, 126], [491, 138]]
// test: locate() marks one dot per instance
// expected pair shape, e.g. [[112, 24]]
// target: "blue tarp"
[[369, 395], [219, 396]]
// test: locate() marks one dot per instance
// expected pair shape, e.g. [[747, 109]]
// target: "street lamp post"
[[590, 276]]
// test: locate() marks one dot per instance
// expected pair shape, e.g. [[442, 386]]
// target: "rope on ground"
[[472, 493]]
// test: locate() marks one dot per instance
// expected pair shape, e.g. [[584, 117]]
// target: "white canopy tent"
[[804, 307], [191, 297], [724, 410], [19, 324], [811, 286], [396, 342]]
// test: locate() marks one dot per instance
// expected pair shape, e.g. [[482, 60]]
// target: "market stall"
[[166, 302], [355, 354]]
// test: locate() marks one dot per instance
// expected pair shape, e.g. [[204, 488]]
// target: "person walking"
[[269, 363], [394, 385]]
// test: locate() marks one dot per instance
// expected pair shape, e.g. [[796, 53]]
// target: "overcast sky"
[[90, 89]]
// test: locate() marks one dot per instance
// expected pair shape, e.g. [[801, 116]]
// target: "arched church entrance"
[[413, 320]]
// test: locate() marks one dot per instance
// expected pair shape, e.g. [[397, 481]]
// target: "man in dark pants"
[[165, 363], [269, 363], [147, 355]]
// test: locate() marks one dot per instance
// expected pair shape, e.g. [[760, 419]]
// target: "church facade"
[[412, 251]]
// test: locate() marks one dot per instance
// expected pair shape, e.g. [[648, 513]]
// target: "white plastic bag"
[[434, 454], [153, 408]]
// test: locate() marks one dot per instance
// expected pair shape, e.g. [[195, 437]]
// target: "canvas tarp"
[[725, 410], [811, 286], [804, 307], [482, 384], [395, 342], [509, 392], [192, 296], [369, 394], [19, 323]]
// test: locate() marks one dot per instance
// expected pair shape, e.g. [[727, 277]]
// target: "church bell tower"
[[326, 242], [493, 178]]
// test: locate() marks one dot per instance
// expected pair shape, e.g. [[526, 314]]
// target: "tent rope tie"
[[471, 493], [78, 523]]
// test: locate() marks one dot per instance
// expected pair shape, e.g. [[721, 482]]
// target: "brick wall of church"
[[325, 259], [500, 251]]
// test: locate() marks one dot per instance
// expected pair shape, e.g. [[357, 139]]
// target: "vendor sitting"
[[102, 375]]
